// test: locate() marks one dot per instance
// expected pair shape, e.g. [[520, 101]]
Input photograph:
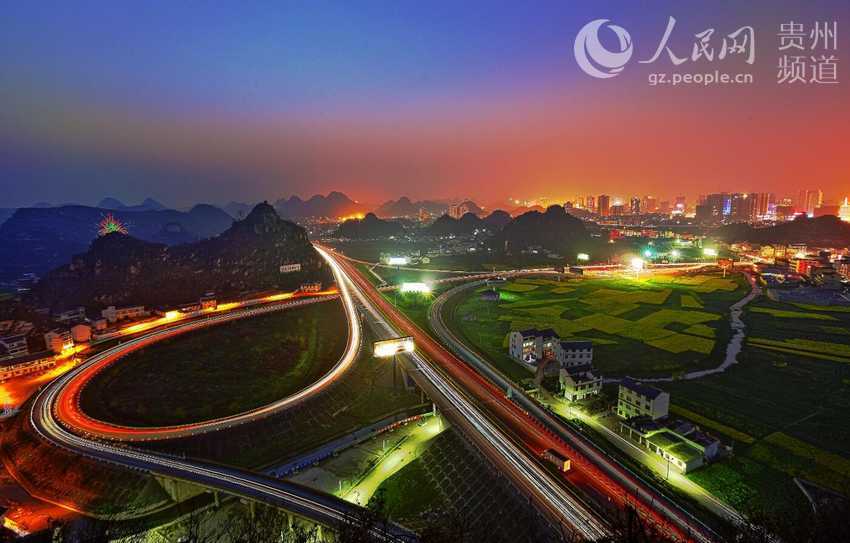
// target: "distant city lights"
[[398, 261], [675, 253], [637, 264], [709, 251], [583, 257]]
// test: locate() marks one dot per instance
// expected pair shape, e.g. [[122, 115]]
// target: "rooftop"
[[646, 391], [577, 345]]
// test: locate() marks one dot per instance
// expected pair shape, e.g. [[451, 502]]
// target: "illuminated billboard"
[[415, 287], [398, 260], [391, 347]]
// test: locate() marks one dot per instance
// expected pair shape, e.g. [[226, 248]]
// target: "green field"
[[789, 396], [234, 367], [659, 326]]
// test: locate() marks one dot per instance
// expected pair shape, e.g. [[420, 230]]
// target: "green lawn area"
[[410, 492], [219, 371], [639, 328]]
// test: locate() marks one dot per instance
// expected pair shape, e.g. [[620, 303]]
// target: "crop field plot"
[[784, 405], [639, 328]]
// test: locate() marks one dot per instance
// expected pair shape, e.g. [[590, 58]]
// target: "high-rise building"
[[664, 207], [844, 211], [591, 203], [456, 211], [715, 206], [742, 207], [763, 204], [579, 201], [634, 205], [617, 210], [649, 204], [809, 200], [604, 204], [680, 206]]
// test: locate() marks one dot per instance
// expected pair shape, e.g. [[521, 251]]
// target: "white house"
[[636, 399], [580, 382]]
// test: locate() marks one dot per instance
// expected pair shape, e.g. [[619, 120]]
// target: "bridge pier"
[[178, 490]]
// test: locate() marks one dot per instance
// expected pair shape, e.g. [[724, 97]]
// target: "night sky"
[[191, 101]]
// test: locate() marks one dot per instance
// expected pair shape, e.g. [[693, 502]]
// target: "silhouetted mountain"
[[497, 219], [824, 231], [404, 207], [370, 227], [5, 213], [555, 230], [111, 203], [39, 239], [149, 204], [119, 269], [517, 211], [335, 204], [446, 225], [238, 210]]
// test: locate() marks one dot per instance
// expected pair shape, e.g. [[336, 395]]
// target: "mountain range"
[[39, 239], [119, 269], [335, 204], [149, 204], [404, 207]]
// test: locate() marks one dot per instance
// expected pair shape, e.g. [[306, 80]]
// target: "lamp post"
[[637, 265]]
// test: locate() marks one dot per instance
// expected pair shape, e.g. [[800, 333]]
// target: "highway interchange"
[[508, 435]]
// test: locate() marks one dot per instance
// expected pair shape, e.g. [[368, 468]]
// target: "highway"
[[69, 413], [467, 391], [632, 484], [465, 411], [317, 506]]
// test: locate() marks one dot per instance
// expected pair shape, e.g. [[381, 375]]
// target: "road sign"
[[388, 348]]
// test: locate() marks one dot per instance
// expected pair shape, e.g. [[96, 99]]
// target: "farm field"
[[664, 325], [788, 399]]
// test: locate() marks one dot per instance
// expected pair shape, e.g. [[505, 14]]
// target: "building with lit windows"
[[533, 345], [26, 364], [59, 340], [13, 346], [113, 314]]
